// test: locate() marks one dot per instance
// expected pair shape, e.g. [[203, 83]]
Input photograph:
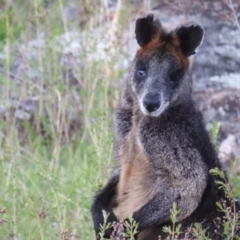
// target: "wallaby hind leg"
[[104, 201], [150, 233]]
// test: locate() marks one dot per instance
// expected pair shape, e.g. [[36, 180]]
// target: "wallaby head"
[[158, 76]]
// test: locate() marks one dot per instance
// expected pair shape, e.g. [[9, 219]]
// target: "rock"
[[226, 149], [209, 114], [222, 106]]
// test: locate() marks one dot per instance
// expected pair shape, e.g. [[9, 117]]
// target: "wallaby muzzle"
[[151, 102], [154, 104]]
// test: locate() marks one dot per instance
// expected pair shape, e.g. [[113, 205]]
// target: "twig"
[[235, 16], [10, 75]]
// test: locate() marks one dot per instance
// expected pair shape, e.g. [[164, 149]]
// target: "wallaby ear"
[[146, 28], [190, 38]]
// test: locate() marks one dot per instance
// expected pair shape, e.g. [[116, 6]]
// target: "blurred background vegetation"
[[61, 66]]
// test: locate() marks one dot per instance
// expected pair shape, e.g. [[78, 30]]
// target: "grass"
[[52, 164]]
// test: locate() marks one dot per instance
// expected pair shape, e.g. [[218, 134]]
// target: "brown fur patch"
[[174, 41], [156, 41], [135, 187], [173, 44]]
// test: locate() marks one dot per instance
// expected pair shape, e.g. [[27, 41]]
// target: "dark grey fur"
[[157, 114]]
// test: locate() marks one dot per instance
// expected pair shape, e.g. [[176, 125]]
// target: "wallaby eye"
[[141, 72], [176, 76]]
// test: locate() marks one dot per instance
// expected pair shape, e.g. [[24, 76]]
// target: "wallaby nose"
[[151, 104]]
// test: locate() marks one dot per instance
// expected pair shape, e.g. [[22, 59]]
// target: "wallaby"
[[163, 151]]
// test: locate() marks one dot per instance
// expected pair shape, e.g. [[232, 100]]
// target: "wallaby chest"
[[135, 187]]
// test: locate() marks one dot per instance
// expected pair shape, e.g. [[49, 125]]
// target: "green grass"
[[48, 175], [46, 194]]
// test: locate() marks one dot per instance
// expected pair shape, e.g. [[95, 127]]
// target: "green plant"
[[105, 226], [198, 232], [231, 222], [214, 132], [175, 229], [131, 227]]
